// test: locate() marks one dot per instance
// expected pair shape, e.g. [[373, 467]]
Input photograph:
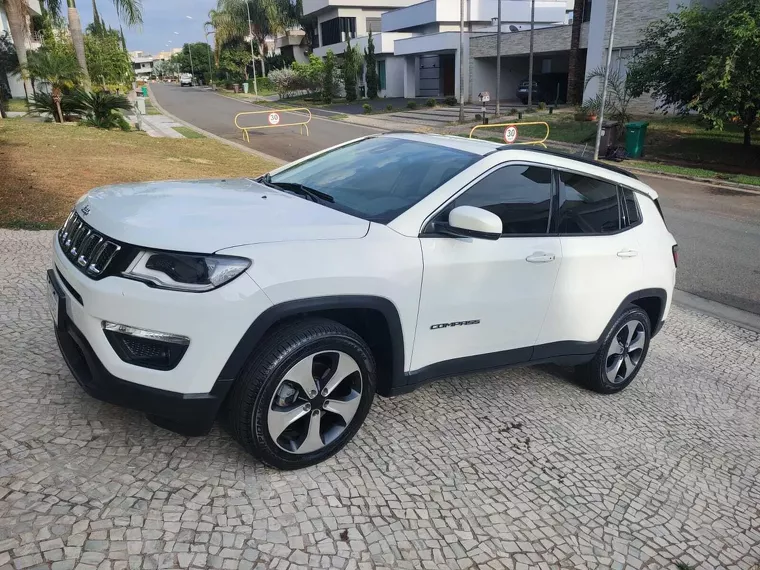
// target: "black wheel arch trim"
[[304, 307]]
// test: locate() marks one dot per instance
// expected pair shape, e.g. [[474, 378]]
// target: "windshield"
[[378, 178]]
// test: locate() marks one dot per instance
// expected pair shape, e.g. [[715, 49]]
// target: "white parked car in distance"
[[287, 302], [185, 79]]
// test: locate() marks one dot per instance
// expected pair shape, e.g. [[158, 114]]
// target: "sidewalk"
[[159, 126]]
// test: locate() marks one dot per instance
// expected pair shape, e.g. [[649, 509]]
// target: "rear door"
[[601, 263]]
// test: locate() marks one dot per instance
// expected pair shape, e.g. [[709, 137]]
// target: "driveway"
[[515, 469]]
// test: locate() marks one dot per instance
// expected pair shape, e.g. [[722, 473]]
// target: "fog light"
[[146, 348]]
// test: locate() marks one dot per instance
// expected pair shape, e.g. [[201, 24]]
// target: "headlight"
[[185, 272]]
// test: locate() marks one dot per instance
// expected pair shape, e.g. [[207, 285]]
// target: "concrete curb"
[[276, 161], [748, 188], [738, 317]]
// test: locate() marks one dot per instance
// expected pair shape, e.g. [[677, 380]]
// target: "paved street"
[[216, 114], [718, 230], [517, 469]]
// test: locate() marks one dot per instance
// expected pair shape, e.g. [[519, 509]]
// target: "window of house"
[[381, 74], [520, 195], [587, 205], [337, 30], [373, 25], [586, 10]]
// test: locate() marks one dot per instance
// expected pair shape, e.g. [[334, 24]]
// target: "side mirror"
[[469, 221]]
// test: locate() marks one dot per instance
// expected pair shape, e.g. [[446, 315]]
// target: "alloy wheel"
[[625, 352], [315, 402]]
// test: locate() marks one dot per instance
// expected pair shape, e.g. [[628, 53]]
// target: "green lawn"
[[16, 105], [693, 172], [189, 133], [150, 109]]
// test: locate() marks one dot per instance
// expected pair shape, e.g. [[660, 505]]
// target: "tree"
[[618, 95], [130, 11], [704, 60], [199, 66], [328, 77], [8, 64], [371, 64], [16, 11], [106, 60], [351, 64], [59, 69]]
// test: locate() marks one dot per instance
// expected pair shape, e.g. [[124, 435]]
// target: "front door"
[[447, 71], [487, 299]]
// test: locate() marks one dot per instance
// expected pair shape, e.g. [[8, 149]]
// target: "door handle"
[[540, 257], [627, 253]]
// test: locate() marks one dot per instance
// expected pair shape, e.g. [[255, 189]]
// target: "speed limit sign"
[[274, 118], [510, 134]]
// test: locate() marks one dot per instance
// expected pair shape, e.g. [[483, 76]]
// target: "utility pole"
[[461, 61], [604, 86], [210, 69], [190, 51], [253, 59], [498, 60], [530, 61]]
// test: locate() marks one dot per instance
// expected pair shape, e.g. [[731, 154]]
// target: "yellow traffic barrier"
[[274, 120], [511, 132]]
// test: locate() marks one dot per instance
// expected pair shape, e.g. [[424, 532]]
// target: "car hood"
[[204, 216]]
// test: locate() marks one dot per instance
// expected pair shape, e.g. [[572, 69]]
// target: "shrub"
[[541, 106], [284, 81], [309, 75], [411, 105], [351, 63], [478, 117], [450, 101], [389, 107], [513, 111], [367, 108], [43, 103], [431, 102], [262, 83], [370, 63], [101, 109], [328, 78]]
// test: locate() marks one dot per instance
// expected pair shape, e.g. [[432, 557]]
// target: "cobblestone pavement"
[[518, 469]]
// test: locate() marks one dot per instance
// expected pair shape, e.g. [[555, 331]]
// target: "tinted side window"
[[587, 205], [519, 195], [631, 208]]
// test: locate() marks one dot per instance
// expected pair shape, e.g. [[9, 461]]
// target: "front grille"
[[89, 250]]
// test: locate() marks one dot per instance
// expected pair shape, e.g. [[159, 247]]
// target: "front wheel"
[[621, 355], [304, 395]]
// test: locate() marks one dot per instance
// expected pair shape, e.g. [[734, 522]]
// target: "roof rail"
[[575, 157]]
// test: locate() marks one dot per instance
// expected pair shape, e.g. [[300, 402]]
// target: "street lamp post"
[[498, 59], [461, 61], [190, 51], [210, 69], [253, 59], [530, 61], [604, 86]]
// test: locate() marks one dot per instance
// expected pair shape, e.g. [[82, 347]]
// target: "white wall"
[[394, 77]]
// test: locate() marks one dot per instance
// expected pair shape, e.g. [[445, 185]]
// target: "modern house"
[[417, 44], [292, 45], [142, 64], [551, 48], [32, 42]]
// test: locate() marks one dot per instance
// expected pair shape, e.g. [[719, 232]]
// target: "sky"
[[161, 19]]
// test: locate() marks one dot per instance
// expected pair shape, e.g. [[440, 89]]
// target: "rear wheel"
[[621, 355], [304, 395]]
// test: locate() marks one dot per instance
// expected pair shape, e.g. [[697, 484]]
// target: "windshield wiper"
[[311, 193]]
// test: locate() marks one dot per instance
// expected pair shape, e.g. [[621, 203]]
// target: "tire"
[[630, 333], [262, 400]]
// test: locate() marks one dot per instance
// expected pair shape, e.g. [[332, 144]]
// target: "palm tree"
[[227, 28], [16, 11], [575, 66], [268, 17], [130, 11], [58, 69]]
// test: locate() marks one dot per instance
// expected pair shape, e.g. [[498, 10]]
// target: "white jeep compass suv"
[[286, 302]]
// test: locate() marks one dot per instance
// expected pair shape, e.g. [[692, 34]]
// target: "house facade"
[[551, 48], [417, 44], [32, 41]]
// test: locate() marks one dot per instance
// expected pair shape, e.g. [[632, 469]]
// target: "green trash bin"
[[145, 91], [635, 133]]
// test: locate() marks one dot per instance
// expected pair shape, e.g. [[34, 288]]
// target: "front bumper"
[[189, 414]]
